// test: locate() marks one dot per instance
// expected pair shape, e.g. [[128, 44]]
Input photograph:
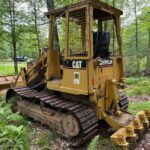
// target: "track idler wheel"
[[70, 125]]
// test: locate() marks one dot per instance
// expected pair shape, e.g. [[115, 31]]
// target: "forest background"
[[24, 31]]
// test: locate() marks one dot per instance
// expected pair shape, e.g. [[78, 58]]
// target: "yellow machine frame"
[[101, 84], [90, 78]]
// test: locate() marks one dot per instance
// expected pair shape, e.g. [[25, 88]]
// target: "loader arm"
[[28, 76]]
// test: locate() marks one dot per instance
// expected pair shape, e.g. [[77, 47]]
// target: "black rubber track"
[[123, 103], [84, 114]]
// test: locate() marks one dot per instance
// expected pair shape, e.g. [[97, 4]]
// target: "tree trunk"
[[136, 37], [56, 46], [148, 57], [113, 30], [36, 26], [13, 33]]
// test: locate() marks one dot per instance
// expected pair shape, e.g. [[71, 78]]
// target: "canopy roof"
[[95, 3]]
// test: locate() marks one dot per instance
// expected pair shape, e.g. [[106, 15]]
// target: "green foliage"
[[45, 139], [43, 142], [14, 137], [131, 80], [129, 38], [102, 143], [144, 18], [93, 144], [136, 107], [16, 119], [26, 36], [143, 63], [140, 86], [14, 133], [139, 81]]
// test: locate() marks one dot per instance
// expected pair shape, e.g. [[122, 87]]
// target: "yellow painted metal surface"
[[68, 83], [139, 124], [7, 82], [100, 82]]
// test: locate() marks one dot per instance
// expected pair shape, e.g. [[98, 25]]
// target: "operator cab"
[[79, 34]]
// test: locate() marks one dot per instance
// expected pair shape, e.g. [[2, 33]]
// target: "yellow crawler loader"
[[79, 80]]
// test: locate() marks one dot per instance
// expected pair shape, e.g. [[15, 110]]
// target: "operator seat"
[[101, 42]]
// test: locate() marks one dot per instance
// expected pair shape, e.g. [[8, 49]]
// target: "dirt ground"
[[57, 143], [145, 143], [138, 99], [42, 133]]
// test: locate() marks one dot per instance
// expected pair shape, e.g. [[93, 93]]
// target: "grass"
[[138, 86], [102, 143], [139, 80], [7, 68], [45, 140], [136, 107]]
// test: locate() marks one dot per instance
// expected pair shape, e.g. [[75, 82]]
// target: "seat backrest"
[[101, 42]]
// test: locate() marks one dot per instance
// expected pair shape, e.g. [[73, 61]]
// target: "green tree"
[[11, 21], [37, 18], [145, 27], [10, 7]]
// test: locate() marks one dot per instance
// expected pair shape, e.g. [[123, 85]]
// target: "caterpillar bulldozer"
[[78, 82]]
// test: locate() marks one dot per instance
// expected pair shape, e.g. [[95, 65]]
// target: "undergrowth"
[[14, 130], [134, 108], [138, 86], [44, 141], [102, 143]]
